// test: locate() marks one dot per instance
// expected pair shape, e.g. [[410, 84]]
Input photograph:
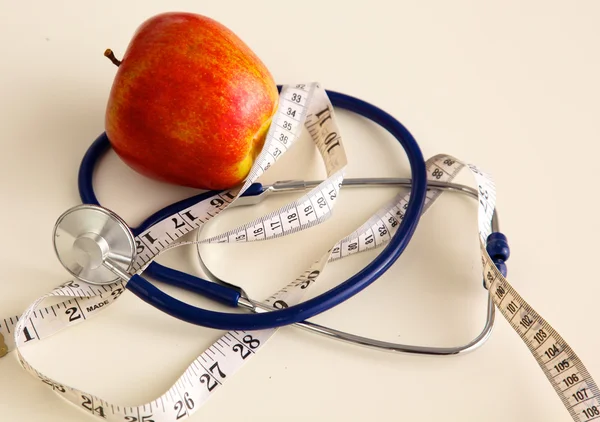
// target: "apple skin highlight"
[[190, 104]]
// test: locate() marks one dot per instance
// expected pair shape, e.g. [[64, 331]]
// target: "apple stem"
[[109, 53]]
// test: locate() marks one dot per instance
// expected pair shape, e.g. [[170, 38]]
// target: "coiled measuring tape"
[[303, 105]]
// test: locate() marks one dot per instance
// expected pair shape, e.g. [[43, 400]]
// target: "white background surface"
[[511, 86]]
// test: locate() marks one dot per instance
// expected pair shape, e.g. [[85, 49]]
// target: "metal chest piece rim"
[[85, 236]]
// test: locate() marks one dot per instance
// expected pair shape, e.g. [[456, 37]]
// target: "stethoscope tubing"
[[305, 310]]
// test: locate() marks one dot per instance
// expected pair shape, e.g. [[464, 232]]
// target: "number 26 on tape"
[[182, 406]]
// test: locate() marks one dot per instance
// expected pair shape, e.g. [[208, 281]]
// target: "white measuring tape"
[[303, 105]]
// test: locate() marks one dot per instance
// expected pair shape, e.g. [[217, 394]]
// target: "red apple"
[[190, 104]]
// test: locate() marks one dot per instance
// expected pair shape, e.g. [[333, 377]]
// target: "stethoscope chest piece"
[[89, 239]]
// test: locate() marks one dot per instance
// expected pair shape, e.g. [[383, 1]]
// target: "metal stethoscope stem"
[[299, 185]]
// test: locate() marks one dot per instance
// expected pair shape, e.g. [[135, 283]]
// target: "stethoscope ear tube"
[[475, 343]]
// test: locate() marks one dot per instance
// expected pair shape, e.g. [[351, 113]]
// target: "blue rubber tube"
[[345, 290]]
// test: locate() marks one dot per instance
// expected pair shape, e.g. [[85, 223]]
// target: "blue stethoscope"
[[93, 250]]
